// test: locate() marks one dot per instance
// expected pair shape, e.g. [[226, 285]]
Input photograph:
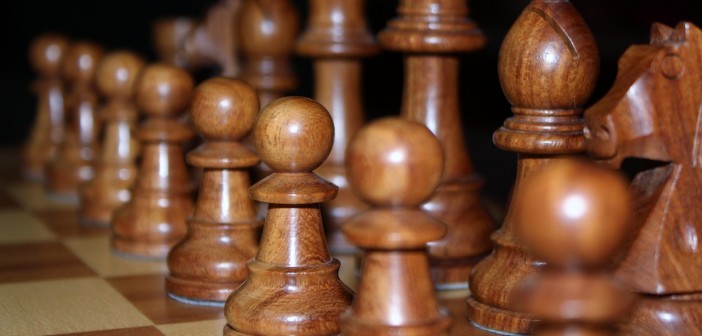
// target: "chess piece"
[[431, 33], [73, 163], [267, 33], [46, 55], [168, 35], [115, 167], [547, 84], [213, 41], [653, 112], [293, 287], [154, 219], [395, 165], [337, 37], [222, 236], [575, 217]]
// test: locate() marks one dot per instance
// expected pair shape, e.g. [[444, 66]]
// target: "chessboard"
[[58, 277]]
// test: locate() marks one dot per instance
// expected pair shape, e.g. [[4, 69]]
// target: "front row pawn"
[[575, 217]]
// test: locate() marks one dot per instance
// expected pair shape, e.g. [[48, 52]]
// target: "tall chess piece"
[[154, 220], [431, 33], [222, 236], [73, 163], [214, 40], [575, 216], [46, 55], [653, 112], [267, 32], [116, 166], [548, 67], [168, 36], [395, 165], [337, 37], [293, 287]]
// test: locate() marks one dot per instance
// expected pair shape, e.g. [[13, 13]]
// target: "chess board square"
[[64, 223], [18, 226], [148, 294], [63, 306], [140, 331], [39, 261], [96, 253], [31, 195], [211, 327]]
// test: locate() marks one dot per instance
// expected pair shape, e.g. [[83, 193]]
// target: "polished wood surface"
[[547, 85], [210, 262], [115, 167], [168, 36], [293, 287], [336, 38], [267, 31], [395, 165], [214, 41], [73, 163], [46, 55], [154, 219], [575, 216], [431, 33], [652, 113]]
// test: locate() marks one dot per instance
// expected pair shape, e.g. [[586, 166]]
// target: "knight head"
[[652, 110]]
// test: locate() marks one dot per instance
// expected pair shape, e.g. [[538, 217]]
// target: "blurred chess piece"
[[337, 38], [575, 216], [168, 35], [116, 165], [73, 163], [154, 219], [46, 55], [432, 34]]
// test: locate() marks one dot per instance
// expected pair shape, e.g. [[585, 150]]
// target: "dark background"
[[127, 24]]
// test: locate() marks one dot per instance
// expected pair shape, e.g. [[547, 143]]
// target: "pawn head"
[[163, 90], [224, 109], [117, 73], [46, 54], [294, 134], [80, 64], [574, 214], [394, 162]]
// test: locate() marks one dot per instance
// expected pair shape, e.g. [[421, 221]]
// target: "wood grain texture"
[[115, 168], [651, 113], [154, 219], [46, 56], [293, 287], [210, 262], [547, 86], [73, 163], [214, 41], [431, 33], [395, 165], [336, 38]]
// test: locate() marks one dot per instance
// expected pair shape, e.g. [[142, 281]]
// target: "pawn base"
[[498, 321], [141, 250], [665, 316], [199, 292]]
